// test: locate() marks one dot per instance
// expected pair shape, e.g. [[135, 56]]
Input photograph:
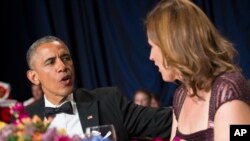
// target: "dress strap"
[[179, 98]]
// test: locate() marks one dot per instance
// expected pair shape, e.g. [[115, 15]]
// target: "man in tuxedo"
[[52, 68]]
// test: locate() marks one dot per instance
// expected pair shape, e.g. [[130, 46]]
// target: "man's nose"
[[60, 65]]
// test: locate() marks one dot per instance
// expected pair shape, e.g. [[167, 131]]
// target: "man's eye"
[[66, 58], [49, 62]]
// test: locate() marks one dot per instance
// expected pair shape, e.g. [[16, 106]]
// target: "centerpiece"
[[25, 128]]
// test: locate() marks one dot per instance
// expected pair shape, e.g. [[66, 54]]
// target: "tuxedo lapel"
[[37, 108], [87, 107], [40, 109], [88, 114]]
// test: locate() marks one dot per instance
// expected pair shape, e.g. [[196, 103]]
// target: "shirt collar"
[[49, 104]]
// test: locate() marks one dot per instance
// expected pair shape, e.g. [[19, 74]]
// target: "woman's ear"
[[32, 76]]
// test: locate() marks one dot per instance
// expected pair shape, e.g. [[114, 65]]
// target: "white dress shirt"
[[71, 123]]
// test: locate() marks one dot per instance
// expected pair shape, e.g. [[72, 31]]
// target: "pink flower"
[[18, 111], [63, 138], [18, 107], [22, 116], [159, 139]]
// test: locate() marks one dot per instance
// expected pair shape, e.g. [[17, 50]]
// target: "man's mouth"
[[66, 80]]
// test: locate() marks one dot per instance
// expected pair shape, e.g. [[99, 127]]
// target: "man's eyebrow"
[[48, 59], [65, 54]]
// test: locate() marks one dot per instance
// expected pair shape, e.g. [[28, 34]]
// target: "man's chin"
[[66, 91]]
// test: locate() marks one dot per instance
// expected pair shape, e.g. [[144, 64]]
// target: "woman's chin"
[[167, 79]]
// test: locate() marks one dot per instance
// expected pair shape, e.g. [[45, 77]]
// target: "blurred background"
[[107, 40]]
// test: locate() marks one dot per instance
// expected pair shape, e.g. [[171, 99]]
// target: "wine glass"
[[102, 133]]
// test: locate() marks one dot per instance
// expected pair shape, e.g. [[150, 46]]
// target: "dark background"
[[107, 40]]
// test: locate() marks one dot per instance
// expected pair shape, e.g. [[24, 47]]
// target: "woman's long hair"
[[190, 43]]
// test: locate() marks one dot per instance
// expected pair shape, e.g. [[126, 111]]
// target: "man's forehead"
[[51, 47], [48, 50]]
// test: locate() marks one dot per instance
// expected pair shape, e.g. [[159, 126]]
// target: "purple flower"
[[6, 131], [50, 134], [76, 138]]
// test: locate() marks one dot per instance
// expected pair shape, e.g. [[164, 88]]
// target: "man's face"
[[53, 69]]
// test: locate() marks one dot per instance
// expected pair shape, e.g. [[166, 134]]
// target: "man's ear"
[[32, 76]]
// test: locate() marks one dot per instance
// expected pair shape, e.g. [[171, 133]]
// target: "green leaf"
[[12, 138]]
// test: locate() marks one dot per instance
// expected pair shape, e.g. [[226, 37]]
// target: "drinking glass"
[[101, 133]]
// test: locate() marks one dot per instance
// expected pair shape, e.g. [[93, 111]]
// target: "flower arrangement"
[[25, 128]]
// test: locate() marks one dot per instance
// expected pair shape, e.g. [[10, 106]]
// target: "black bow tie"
[[65, 108]]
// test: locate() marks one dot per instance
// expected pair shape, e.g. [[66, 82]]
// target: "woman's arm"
[[232, 112], [174, 127]]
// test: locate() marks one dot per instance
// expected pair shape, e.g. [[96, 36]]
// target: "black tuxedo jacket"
[[109, 106]]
